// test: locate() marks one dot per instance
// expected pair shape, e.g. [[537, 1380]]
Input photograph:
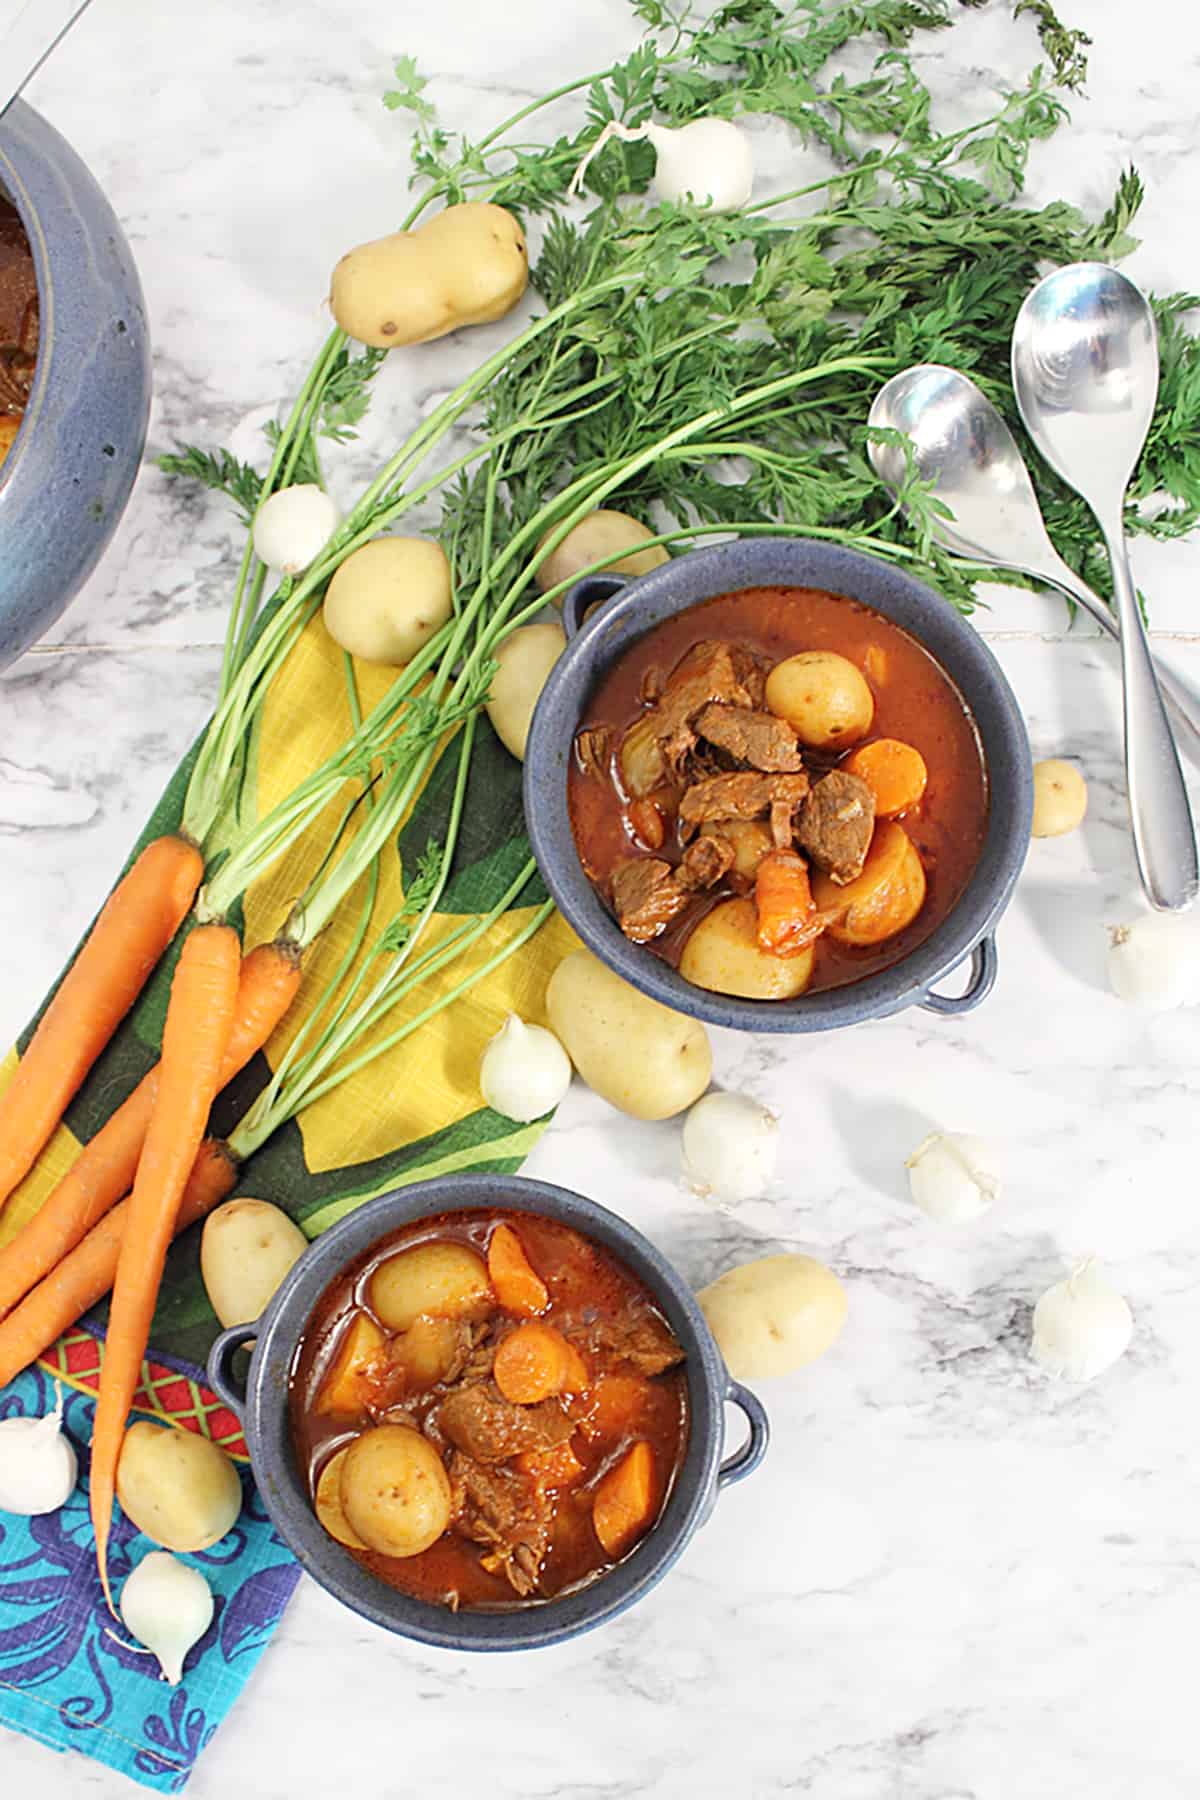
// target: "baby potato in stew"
[[778, 791], [489, 1409]]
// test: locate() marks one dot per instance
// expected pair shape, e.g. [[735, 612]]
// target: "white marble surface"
[[952, 1580]]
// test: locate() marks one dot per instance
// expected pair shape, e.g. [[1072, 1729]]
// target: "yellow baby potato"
[[883, 899], [179, 1488], [823, 697], [447, 1281], [638, 1055], [465, 266], [246, 1249], [526, 658], [395, 1492], [330, 1510], [1060, 798], [723, 955], [594, 539], [774, 1315], [388, 598]]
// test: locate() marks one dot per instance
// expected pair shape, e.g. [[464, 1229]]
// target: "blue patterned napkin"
[[67, 1677]]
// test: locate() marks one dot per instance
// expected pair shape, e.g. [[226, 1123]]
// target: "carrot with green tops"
[[137, 922], [86, 1273], [104, 1171], [195, 1039]]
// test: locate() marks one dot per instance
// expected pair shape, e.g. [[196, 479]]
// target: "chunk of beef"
[[835, 824], [705, 862], [479, 1420], [507, 1512], [745, 795], [593, 750], [703, 674], [636, 1335], [757, 738], [752, 671], [647, 897]]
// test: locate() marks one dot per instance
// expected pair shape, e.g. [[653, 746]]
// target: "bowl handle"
[[586, 593], [220, 1358], [983, 979], [744, 1461]]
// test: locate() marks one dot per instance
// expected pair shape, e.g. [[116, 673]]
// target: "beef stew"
[[488, 1409], [789, 768]]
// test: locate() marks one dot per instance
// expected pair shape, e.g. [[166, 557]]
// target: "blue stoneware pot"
[[630, 608], [262, 1406], [65, 482]]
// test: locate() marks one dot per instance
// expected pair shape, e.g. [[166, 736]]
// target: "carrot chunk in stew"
[[624, 1502], [518, 1289]]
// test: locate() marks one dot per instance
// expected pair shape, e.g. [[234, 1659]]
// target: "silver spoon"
[[1085, 373], [29, 40], [963, 445]]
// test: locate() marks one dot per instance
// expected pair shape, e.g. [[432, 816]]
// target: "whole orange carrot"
[[86, 1273], [195, 1039], [138, 921], [104, 1170]]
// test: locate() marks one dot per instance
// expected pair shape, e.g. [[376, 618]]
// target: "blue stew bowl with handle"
[[261, 1401], [604, 615], [68, 475]]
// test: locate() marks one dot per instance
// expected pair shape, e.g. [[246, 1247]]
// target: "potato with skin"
[[176, 1486], [394, 1490], [774, 1315], [442, 1280], [1060, 798], [638, 1055], [883, 899], [388, 598], [465, 266], [526, 658], [751, 840], [246, 1249], [598, 536], [823, 697], [328, 1502], [723, 955]]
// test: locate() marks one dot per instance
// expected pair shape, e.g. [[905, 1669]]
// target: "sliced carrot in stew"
[[616, 1406], [346, 1388], [894, 772], [535, 1362], [518, 1289], [788, 920], [625, 1500]]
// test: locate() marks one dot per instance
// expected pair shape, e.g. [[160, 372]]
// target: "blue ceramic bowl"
[[65, 482], [630, 608], [262, 1406]]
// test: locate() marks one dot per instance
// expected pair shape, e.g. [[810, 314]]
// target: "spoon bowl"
[[1085, 373]]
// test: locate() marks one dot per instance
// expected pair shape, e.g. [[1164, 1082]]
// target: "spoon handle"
[[1164, 836], [1183, 703]]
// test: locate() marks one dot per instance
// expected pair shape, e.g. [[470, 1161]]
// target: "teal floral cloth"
[[69, 1673]]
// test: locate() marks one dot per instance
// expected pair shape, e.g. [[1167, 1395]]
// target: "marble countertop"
[[953, 1580]]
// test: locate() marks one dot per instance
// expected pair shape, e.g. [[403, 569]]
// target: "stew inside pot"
[[778, 791], [488, 1409], [18, 324]]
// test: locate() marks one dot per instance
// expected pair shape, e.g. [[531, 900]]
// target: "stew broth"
[[915, 702], [608, 1317]]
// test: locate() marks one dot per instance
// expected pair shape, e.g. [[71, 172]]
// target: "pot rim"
[[283, 1490], [704, 574]]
